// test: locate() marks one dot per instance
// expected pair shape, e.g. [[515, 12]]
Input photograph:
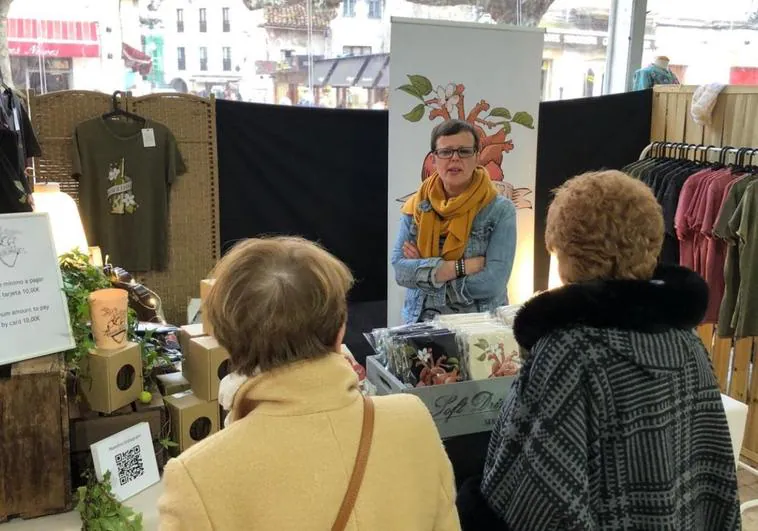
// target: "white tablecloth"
[[146, 502], [736, 417]]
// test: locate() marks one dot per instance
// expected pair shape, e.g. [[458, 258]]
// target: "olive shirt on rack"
[[124, 174], [722, 229], [744, 320]]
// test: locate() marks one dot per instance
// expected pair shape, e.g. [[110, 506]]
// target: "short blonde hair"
[[605, 225], [277, 301]]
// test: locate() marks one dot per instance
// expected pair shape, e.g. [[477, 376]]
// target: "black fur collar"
[[675, 298]]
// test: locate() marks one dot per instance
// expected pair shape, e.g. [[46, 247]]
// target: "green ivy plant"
[[80, 278], [101, 511]]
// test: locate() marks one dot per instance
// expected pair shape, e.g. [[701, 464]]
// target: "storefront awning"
[[322, 71], [373, 68], [383, 78], [346, 71], [135, 59], [52, 38]]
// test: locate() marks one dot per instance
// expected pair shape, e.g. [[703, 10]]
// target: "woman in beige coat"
[[285, 461]]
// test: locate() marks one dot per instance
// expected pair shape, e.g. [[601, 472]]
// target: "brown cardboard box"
[[187, 332], [172, 383], [205, 288], [192, 419], [87, 427], [204, 366], [112, 379]]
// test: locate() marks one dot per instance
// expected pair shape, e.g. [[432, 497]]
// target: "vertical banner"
[[488, 75]]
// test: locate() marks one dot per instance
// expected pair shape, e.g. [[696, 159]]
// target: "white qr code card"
[[130, 457]]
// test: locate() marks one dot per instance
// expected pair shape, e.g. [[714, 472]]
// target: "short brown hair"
[[605, 225], [453, 127], [277, 301]]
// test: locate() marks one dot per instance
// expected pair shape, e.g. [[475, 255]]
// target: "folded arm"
[[430, 275], [501, 251]]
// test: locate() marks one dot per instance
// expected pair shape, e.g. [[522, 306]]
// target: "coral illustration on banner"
[[494, 129], [9, 248], [120, 191]]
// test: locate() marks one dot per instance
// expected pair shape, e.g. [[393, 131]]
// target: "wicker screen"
[[193, 226]]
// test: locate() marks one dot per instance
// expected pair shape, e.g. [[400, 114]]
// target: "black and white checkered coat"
[[616, 421]]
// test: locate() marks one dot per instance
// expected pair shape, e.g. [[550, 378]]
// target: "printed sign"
[[457, 409], [34, 317], [130, 458]]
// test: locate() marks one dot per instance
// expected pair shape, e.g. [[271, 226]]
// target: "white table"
[[146, 502]]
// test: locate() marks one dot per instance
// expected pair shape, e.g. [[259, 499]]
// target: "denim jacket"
[[493, 235]]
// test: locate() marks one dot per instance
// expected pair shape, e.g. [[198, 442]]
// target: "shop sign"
[[52, 49], [34, 318]]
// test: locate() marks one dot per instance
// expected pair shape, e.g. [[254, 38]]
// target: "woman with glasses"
[[457, 239]]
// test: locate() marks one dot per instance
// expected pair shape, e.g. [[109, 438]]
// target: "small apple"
[[146, 397]]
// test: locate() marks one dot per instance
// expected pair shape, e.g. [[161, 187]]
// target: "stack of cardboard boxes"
[[195, 412]]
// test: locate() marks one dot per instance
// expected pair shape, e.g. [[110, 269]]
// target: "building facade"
[[207, 44]]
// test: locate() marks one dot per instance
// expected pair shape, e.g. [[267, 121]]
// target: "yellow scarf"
[[451, 218]]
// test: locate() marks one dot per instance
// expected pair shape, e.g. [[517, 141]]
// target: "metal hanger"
[[117, 111]]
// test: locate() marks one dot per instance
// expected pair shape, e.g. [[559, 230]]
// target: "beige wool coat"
[[284, 464]]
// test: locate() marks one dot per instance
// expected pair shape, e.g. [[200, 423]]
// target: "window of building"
[[203, 58], [225, 17], [374, 8], [180, 20], [356, 50], [181, 58], [203, 21], [348, 8], [227, 58]]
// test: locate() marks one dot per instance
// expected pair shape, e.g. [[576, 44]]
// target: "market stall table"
[[145, 502]]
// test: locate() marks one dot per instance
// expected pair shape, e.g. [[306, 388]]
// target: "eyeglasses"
[[447, 153]]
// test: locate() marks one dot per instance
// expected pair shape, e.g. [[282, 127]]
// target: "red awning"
[[53, 38], [136, 60]]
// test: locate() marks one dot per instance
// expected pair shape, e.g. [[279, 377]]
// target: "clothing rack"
[[696, 147]]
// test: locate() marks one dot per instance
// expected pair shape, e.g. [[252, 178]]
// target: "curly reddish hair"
[[604, 225]]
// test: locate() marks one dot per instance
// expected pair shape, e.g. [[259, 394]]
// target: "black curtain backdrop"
[[576, 136], [322, 174], [316, 173]]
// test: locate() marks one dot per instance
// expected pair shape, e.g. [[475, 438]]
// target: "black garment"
[[615, 379], [17, 144], [576, 136], [317, 173], [665, 177], [473, 511]]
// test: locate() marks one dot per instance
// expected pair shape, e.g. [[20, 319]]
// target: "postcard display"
[[461, 366]]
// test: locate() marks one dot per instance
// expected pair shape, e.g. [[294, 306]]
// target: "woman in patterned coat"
[[616, 420]]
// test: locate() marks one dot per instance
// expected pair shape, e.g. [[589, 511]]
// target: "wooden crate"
[[88, 427], [35, 476]]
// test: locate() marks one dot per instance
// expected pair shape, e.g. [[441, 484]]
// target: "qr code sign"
[[129, 464]]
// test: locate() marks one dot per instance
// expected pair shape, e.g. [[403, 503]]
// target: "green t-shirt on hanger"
[[125, 170]]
